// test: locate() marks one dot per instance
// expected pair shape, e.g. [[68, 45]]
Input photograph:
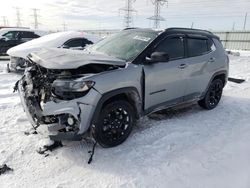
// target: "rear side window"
[[86, 42], [26, 34], [174, 47], [198, 46], [74, 43]]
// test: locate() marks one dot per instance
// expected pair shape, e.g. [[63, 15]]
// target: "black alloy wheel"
[[213, 95], [115, 123]]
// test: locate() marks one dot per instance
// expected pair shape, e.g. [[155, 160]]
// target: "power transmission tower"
[[64, 26], [157, 18], [128, 13], [5, 21], [18, 17], [35, 16]]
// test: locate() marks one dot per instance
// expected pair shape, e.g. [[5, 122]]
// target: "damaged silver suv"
[[103, 90]]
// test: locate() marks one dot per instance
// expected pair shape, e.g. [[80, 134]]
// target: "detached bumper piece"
[[70, 136]]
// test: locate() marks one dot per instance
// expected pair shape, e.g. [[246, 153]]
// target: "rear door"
[[25, 36], [164, 81], [201, 57]]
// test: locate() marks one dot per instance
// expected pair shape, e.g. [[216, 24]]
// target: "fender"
[[110, 94], [210, 81]]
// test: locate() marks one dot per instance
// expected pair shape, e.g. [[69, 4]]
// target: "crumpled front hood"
[[53, 58]]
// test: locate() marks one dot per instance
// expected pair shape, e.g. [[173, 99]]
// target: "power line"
[[128, 13], [157, 18], [18, 17]]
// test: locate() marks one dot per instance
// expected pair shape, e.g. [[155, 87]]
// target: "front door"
[[164, 81]]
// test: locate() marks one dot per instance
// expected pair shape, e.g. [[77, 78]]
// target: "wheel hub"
[[115, 124]]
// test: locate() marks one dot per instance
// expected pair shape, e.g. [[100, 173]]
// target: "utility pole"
[[245, 21], [157, 18], [128, 13], [35, 16], [192, 25], [18, 17], [233, 26]]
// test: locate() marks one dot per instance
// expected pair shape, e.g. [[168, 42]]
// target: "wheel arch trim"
[[108, 95]]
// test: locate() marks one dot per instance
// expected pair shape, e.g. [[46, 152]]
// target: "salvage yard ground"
[[185, 148]]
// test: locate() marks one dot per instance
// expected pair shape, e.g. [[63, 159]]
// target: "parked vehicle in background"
[[101, 92], [69, 40], [10, 37]]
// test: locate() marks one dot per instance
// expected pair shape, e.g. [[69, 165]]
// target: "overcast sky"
[[105, 14]]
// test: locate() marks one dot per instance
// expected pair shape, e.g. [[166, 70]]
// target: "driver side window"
[[11, 35], [174, 47]]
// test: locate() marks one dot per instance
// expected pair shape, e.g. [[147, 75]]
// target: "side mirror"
[[158, 57]]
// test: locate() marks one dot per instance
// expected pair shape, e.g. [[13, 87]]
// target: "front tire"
[[213, 95], [114, 123]]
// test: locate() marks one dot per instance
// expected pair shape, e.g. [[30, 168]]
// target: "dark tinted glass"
[[197, 46], [74, 43], [174, 47], [86, 42], [11, 35], [25, 34], [210, 45]]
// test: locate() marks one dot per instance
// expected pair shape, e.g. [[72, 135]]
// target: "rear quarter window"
[[198, 46]]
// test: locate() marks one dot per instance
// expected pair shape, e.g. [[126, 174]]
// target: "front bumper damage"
[[71, 118]]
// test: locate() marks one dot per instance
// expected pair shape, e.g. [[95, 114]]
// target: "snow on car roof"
[[53, 40], [58, 39]]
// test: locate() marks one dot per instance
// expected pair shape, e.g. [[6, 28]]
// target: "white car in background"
[[74, 40]]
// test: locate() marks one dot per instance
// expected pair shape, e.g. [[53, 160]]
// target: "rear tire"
[[114, 123], [213, 95]]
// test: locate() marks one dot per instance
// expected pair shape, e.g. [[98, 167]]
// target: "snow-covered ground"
[[188, 148]]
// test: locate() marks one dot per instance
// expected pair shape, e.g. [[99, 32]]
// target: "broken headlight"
[[71, 89]]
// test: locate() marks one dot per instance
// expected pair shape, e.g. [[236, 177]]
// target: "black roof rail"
[[188, 29]]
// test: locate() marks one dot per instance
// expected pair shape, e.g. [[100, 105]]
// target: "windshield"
[[125, 45]]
